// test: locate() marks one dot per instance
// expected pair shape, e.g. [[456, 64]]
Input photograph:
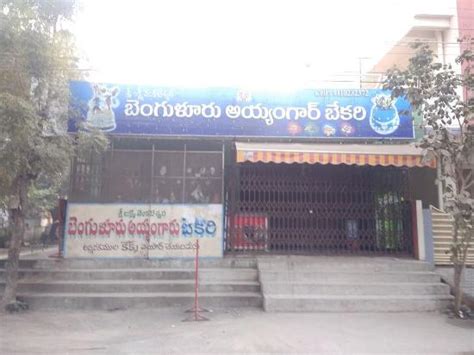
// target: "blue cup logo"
[[384, 117]]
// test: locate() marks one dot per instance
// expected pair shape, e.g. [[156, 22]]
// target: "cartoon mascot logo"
[[101, 114], [384, 117]]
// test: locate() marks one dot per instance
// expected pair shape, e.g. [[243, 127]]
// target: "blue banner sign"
[[324, 113]]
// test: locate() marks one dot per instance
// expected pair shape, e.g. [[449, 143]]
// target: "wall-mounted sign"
[[131, 109], [143, 230]]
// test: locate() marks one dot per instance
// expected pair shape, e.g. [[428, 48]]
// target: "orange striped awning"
[[351, 154]]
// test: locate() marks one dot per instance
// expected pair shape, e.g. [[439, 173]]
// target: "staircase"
[[350, 284], [119, 284], [288, 284], [442, 228]]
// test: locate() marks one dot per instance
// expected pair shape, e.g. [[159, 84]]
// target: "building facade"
[[311, 171], [322, 171]]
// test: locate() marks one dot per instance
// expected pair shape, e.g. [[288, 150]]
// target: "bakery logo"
[[384, 117], [101, 114]]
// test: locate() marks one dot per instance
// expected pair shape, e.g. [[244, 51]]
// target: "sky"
[[240, 43]]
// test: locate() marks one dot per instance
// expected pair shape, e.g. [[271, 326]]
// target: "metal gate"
[[303, 208]]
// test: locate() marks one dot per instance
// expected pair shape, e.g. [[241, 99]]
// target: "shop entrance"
[[319, 209]]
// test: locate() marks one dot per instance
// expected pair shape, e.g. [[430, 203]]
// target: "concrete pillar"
[[440, 47], [428, 229], [420, 231], [440, 186]]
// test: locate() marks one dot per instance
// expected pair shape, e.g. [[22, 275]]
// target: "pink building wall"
[[466, 27]]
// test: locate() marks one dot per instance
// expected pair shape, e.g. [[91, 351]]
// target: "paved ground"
[[235, 331]]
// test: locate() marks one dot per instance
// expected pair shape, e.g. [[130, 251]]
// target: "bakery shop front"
[[309, 171]]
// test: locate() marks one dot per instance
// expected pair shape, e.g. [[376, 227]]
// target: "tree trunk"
[[458, 264], [18, 218], [11, 271], [458, 269]]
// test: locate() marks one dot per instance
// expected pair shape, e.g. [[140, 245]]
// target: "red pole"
[[196, 310]]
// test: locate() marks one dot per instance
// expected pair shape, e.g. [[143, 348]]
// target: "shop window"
[[168, 177], [86, 178], [204, 165], [150, 176], [187, 177], [203, 177], [128, 176], [202, 190], [168, 164], [167, 190]]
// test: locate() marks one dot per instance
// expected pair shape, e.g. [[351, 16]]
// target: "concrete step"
[[438, 212], [443, 232], [111, 301], [227, 262], [356, 289], [105, 274], [25, 264], [351, 285], [443, 239], [341, 264], [126, 283], [442, 246], [442, 225], [442, 216], [135, 274], [349, 277], [123, 286], [288, 303], [239, 274]]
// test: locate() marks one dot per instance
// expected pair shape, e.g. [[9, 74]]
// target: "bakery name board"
[[143, 231], [131, 109]]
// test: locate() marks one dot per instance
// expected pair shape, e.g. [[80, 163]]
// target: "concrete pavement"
[[233, 331]]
